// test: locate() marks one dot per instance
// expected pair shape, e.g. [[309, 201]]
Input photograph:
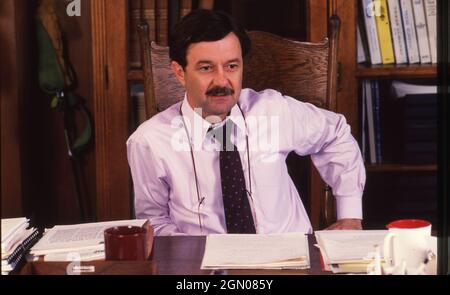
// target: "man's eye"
[[205, 68], [233, 66]]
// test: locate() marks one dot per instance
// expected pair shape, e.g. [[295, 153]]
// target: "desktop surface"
[[171, 255]]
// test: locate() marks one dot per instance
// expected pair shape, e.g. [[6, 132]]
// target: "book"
[[376, 119], [422, 31], [424, 112], [398, 35], [363, 124], [12, 231], [431, 13], [370, 121], [363, 36], [418, 140], [384, 33], [139, 111], [206, 4], [421, 99], [135, 19], [185, 7], [420, 132], [362, 56], [11, 225], [140, 11], [21, 250], [149, 15], [20, 237], [368, 12], [420, 129], [261, 251], [349, 250], [162, 24], [409, 27], [420, 153], [33, 236], [173, 15]]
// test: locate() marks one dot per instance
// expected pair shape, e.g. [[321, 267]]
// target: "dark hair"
[[204, 25]]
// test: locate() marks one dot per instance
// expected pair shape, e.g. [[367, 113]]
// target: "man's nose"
[[221, 79]]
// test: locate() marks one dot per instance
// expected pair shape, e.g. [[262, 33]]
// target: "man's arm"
[[327, 138], [151, 192]]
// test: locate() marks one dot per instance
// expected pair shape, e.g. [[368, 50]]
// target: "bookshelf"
[[394, 188], [396, 71], [408, 189]]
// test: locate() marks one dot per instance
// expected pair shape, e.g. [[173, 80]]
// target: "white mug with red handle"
[[407, 243]]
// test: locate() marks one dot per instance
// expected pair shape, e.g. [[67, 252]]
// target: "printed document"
[[261, 251], [349, 246], [85, 236]]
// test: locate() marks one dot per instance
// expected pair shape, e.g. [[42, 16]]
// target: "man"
[[201, 166]]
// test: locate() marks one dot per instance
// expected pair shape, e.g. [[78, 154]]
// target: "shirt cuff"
[[349, 207]]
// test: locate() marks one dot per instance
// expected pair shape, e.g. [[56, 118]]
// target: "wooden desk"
[[180, 255]]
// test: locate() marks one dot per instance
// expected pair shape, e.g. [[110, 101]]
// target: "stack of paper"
[[249, 251], [80, 242], [401, 89], [16, 241], [349, 250]]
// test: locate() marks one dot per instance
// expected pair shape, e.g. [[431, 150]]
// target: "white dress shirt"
[[163, 174]]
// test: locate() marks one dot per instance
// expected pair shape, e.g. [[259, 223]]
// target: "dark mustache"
[[220, 91]]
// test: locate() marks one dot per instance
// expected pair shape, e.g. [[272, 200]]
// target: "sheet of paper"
[[11, 225], [78, 236], [256, 251], [80, 256], [349, 245]]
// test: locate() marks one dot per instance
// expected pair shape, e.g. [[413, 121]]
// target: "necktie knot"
[[223, 135]]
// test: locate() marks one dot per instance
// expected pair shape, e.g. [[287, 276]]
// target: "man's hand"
[[346, 223]]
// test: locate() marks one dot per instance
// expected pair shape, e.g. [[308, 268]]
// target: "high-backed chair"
[[303, 70]]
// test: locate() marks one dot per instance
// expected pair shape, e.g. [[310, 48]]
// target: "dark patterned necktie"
[[238, 215]]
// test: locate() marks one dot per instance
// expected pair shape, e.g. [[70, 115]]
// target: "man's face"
[[213, 75]]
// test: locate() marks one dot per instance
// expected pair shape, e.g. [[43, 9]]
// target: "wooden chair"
[[303, 70]]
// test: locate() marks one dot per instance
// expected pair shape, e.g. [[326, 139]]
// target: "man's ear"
[[178, 71]]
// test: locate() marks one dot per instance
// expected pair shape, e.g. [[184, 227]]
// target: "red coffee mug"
[[126, 243], [408, 223]]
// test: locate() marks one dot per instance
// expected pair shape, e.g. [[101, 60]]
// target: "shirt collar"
[[199, 126]]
